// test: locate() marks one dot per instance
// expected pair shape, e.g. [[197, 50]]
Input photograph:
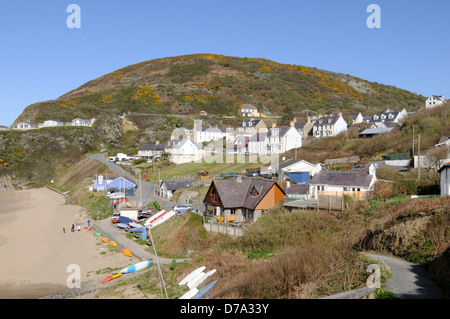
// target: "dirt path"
[[408, 280]]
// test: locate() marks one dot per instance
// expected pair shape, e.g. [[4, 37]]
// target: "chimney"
[[291, 123], [295, 119], [319, 116], [157, 142], [340, 114], [274, 124], [308, 119]]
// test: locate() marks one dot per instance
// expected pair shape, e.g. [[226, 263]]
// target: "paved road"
[[147, 189], [142, 252], [408, 280]]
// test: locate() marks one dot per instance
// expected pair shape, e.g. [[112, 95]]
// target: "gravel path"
[[408, 280]]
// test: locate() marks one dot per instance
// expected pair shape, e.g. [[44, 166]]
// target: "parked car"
[[359, 167], [229, 175], [252, 174], [181, 208]]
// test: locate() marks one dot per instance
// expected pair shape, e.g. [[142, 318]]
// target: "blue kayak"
[[202, 291], [136, 230]]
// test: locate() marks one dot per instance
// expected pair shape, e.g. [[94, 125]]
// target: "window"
[[254, 192]]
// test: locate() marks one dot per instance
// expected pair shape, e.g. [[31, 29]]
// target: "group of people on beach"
[[73, 228]]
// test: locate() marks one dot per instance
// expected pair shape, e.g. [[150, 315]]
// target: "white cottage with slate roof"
[[434, 101], [330, 125], [169, 186], [338, 183]]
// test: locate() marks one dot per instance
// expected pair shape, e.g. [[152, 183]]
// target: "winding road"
[[408, 280], [108, 229], [146, 189]]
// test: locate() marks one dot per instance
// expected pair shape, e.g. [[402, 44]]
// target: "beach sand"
[[35, 252]]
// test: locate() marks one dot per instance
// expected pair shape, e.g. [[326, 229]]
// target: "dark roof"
[[342, 178], [247, 122], [174, 184], [444, 139], [326, 120], [236, 193], [372, 131], [445, 166], [281, 131], [248, 106], [152, 147], [298, 189], [300, 124]]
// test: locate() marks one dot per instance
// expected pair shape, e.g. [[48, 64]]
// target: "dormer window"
[[254, 192]]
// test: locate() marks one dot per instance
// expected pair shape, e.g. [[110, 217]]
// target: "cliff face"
[[218, 85]]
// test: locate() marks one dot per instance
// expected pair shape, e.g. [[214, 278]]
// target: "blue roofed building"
[[114, 182]]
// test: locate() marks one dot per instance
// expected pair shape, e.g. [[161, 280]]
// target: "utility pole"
[[413, 143], [419, 158]]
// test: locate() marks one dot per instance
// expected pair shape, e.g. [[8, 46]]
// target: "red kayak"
[[111, 277]]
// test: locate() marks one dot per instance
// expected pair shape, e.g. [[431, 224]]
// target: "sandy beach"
[[35, 252]]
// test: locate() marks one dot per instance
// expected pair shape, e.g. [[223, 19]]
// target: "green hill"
[[218, 85]]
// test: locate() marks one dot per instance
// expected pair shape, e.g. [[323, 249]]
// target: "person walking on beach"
[[73, 228], [64, 230]]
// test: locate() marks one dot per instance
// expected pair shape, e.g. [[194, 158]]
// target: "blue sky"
[[41, 58]]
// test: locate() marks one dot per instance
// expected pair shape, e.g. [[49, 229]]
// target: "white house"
[[355, 118], [444, 171], [434, 100], [330, 125], [27, 126], [82, 122], [338, 183], [389, 117], [184, 151], [302, 166], [202, 134], [278, 139], [239, 145], [283, 138], [169, 186], [53, 123]]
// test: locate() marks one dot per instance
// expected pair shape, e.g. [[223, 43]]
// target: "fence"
[[229, 229], [330, 202], [362, 293]]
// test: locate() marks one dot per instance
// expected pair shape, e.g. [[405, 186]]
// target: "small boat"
[[98, 234], [136, 267], [112, 243], [191, 275], [191, 293], [89, 228], [204, 290], [126, 252], [136, 230], [111, 277]]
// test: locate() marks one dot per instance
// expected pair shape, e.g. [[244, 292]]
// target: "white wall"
[[445, 182]]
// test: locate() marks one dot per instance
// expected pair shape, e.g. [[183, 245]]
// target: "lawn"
[[172, 170]]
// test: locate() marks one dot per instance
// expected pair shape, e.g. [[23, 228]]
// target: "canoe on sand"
[[105, 240], [112, 243]]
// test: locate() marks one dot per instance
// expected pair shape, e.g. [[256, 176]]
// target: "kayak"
[[136, 267], [105, 240], [126, 252], [112, 243], [111, 277]]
